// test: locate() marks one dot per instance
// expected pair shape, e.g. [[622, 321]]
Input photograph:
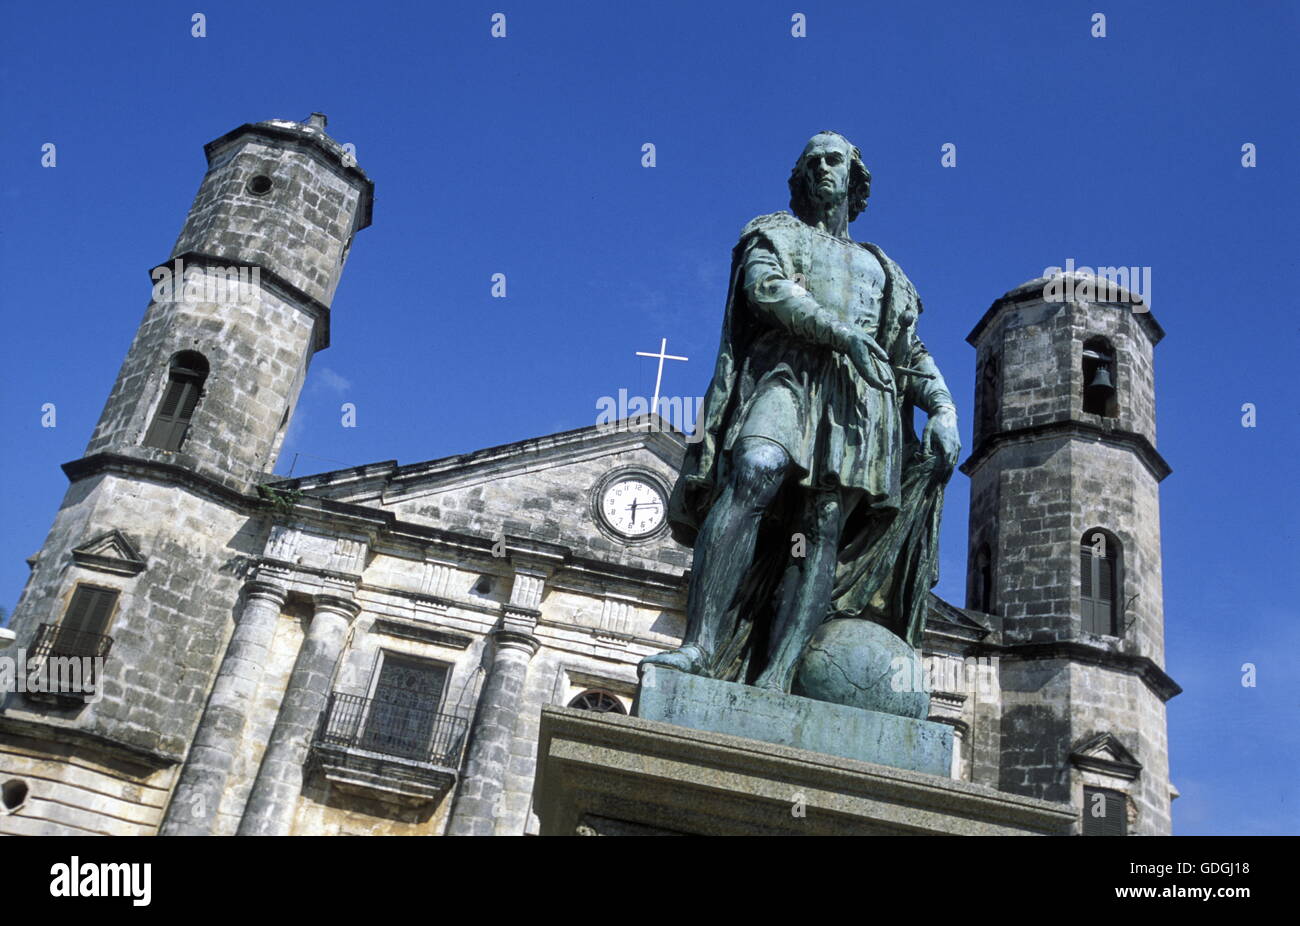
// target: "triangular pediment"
[[1105, 753], [110, 552], [545, 488], [943, 614], [389, 483]]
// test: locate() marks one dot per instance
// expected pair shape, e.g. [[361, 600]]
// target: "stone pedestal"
[[601, 774], [671, 696]]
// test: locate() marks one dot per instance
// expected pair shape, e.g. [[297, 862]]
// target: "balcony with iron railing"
[[388, 750], [63, 665]]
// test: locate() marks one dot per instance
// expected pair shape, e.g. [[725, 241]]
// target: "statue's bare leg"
[[724, 549], [811, 602]]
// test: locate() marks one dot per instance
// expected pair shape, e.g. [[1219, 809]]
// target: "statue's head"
[[829, 171]]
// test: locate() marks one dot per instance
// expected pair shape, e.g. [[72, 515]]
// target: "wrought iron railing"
[[53, 640], [63, 664], [389, 729]]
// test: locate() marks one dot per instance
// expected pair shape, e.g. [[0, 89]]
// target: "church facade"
[[367, 651]]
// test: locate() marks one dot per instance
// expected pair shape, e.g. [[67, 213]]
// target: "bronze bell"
[[1100, 390]]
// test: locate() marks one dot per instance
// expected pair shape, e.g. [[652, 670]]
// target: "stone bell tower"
[[143, 565], [240, 306], [1064, 548]]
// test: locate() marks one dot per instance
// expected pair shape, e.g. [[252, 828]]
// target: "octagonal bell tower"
[[1064, 546], [240, 306]]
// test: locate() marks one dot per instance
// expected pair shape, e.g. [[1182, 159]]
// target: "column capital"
[[271, 591], [334, 604], [506, 638]]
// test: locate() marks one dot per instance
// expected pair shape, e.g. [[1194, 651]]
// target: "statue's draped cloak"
[[887, 560]]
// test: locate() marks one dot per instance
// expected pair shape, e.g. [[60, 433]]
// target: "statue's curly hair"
[[859, 183]]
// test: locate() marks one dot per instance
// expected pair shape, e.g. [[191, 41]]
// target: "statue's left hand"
[[941, 437]]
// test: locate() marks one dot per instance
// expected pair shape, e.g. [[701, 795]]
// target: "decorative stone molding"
[[333, 604], [434, 579], [1106, 755], [423, 633], [616, 615], [110, 552]]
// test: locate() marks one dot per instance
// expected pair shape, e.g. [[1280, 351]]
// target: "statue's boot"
[[689, 658]]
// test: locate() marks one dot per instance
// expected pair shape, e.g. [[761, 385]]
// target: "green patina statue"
[[806, 494]]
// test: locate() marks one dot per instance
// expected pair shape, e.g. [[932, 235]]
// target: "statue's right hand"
[[871, 362]]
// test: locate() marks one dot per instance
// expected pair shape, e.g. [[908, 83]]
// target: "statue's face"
[[826, 169]]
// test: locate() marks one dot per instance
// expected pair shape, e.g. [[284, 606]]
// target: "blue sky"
[[522, 155]]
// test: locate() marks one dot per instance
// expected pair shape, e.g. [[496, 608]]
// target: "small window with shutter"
[[86, 620], [1104, 812], [1099, 583], [185, 379]]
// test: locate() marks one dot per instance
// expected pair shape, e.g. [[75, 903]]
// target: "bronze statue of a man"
[[807, 495]]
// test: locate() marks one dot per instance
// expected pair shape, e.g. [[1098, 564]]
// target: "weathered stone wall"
[[298, 230], [75, 791], [170, 626], [257, 357], [172, 619], [1039, 346], [1105, 701]]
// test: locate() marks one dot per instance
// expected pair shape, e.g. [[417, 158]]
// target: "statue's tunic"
[[804, 395]]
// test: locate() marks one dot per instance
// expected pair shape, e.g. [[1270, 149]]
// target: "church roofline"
[[964, 622], [390, 472], [1032, 291]]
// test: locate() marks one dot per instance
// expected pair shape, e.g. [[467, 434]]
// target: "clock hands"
[[633, 508]]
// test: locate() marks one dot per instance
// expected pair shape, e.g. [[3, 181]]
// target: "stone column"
[[946, 707], [194, 803], [269, 811], [478, 798]]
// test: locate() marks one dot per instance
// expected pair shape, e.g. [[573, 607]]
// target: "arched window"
[[600, 701], [1099, 388], [989, 389], [1099, 582], [982, 581], [185, 381]]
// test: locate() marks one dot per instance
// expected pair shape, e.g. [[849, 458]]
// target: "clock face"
[[633, 506]]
